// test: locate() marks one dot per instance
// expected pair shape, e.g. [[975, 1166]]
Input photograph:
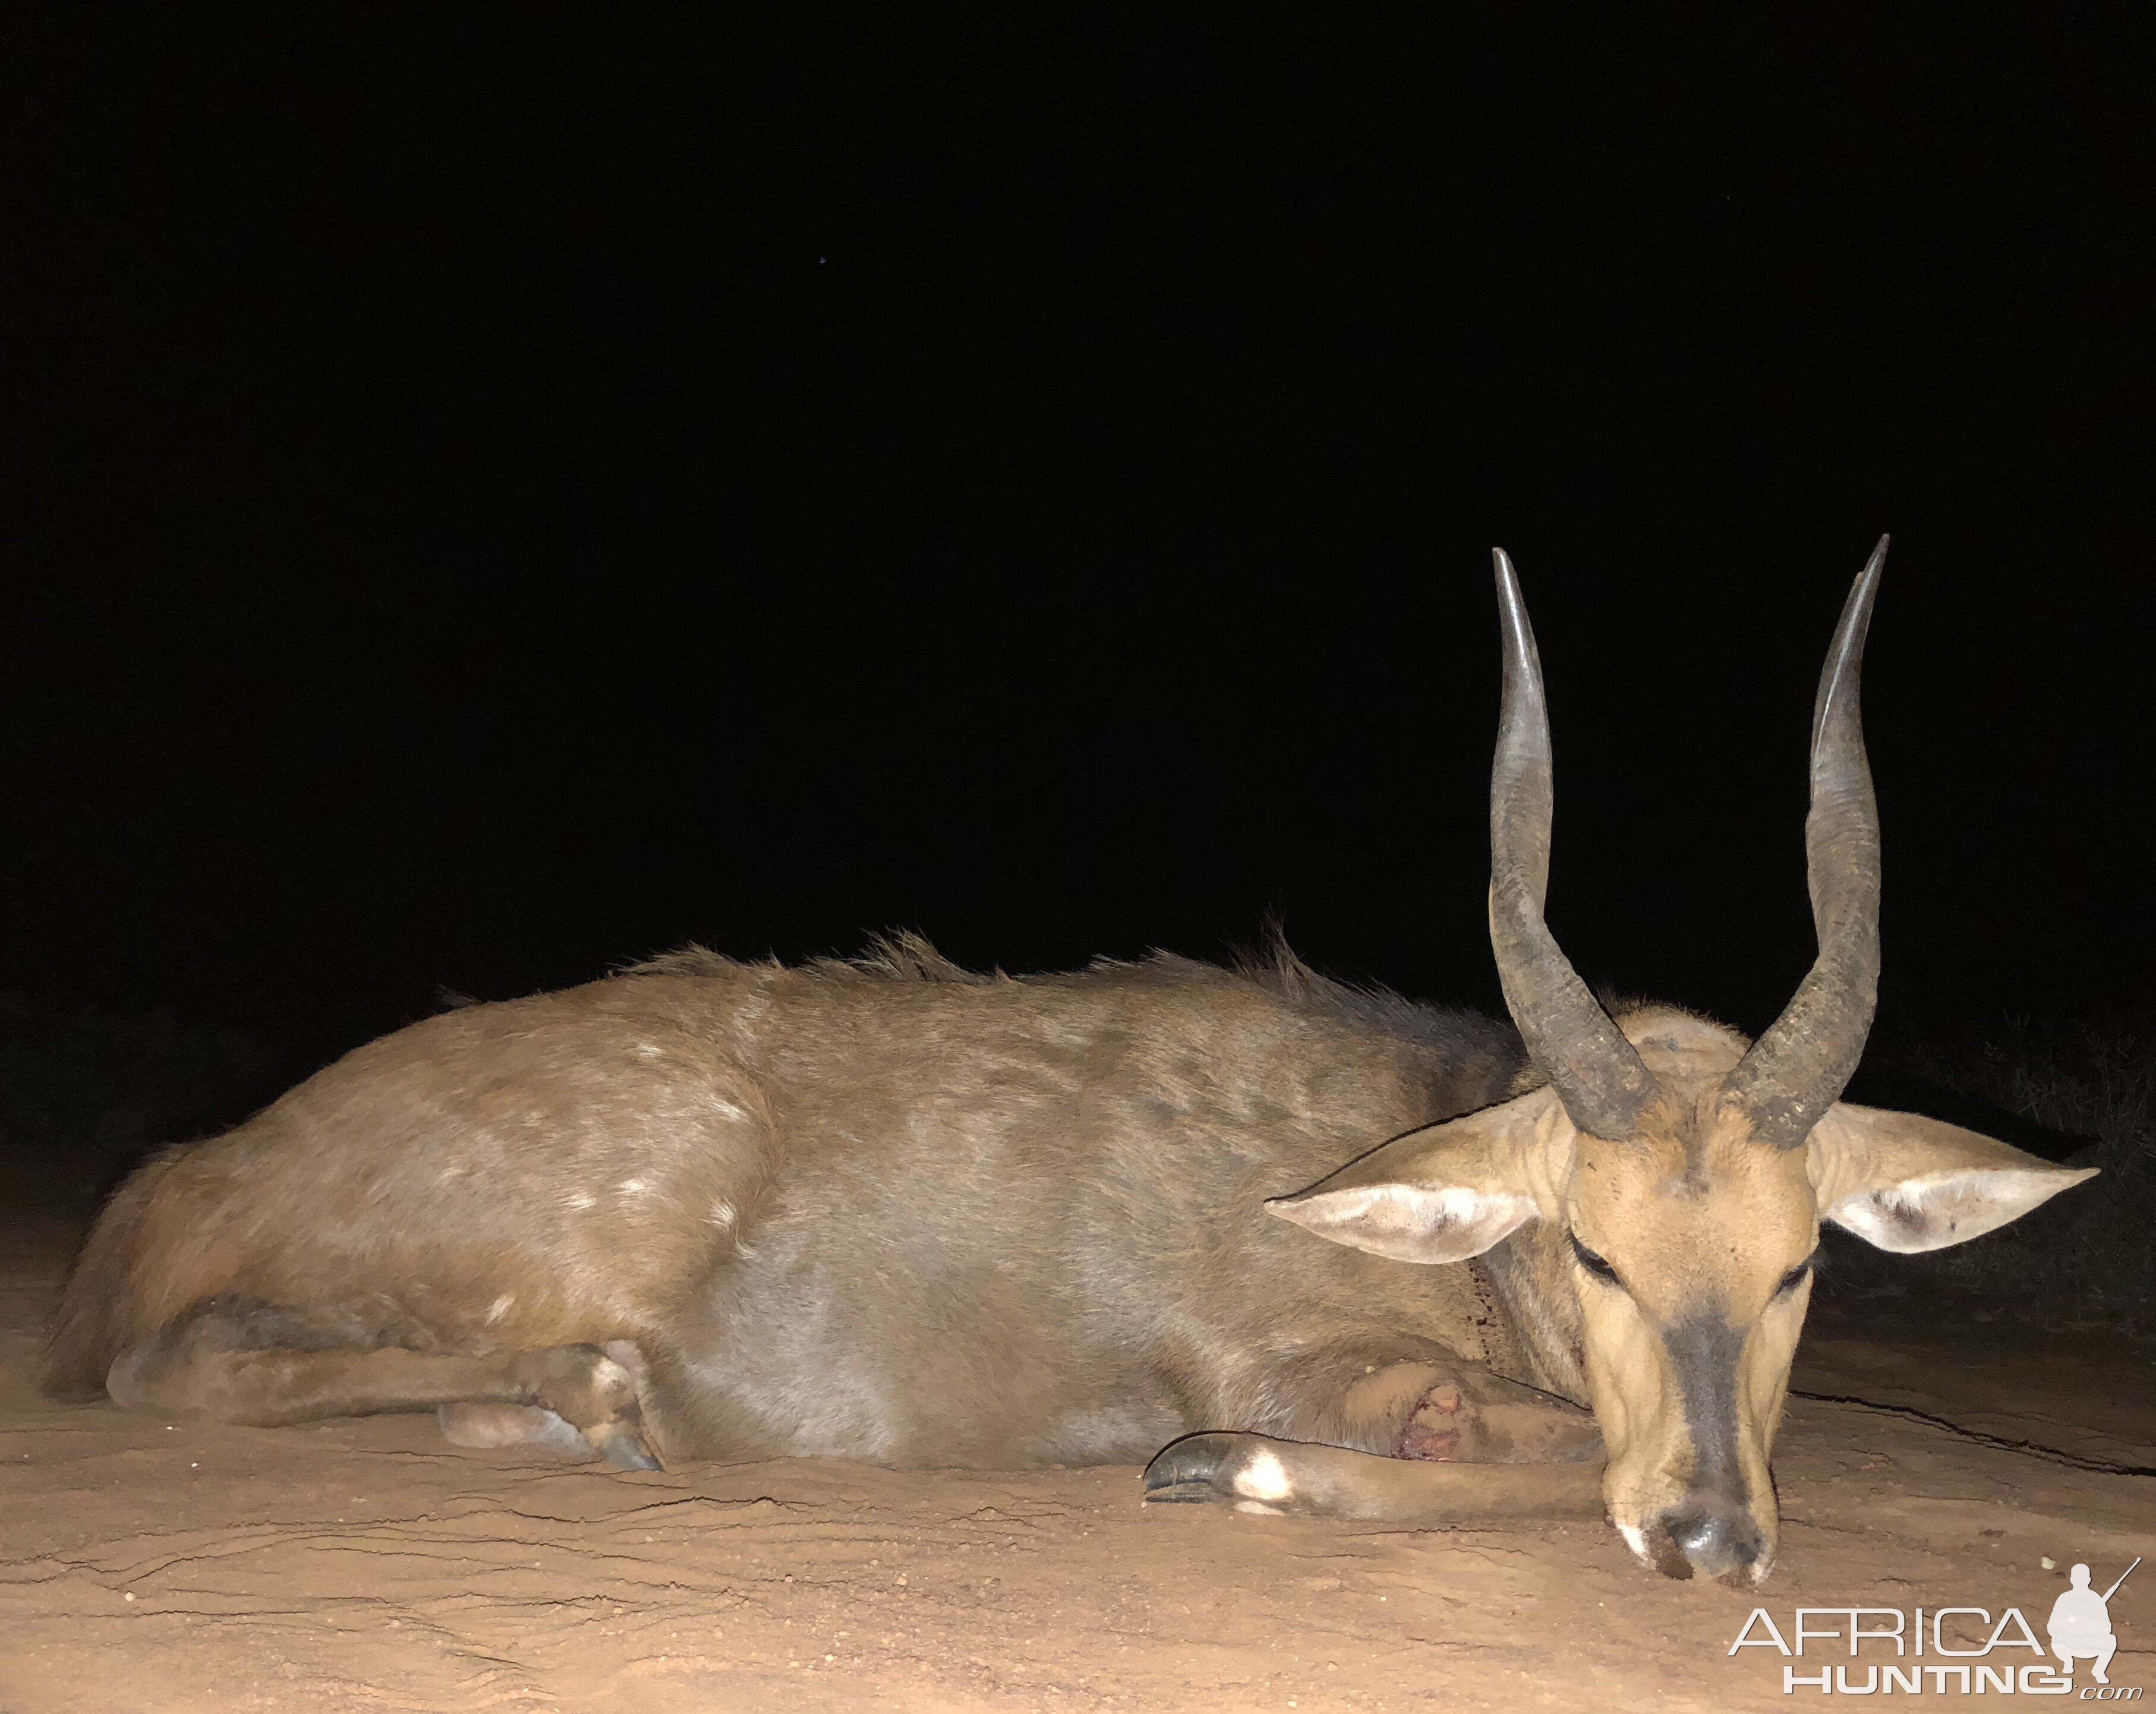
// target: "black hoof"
[[1191, 1471]]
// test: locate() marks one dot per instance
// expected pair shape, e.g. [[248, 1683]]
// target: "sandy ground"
[[364, 1565]]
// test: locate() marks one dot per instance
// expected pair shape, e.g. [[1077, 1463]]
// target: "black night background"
[[490, 495]]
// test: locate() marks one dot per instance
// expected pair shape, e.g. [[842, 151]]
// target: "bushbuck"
[[884, 1209]]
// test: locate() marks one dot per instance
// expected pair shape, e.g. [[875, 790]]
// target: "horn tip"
[[1508, 580]]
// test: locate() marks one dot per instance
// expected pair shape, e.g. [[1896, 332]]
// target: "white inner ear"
[[1947, 1208], [1410, 1223]]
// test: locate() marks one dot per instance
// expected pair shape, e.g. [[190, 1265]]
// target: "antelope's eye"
[[1593, 1263], [1795, 1276]]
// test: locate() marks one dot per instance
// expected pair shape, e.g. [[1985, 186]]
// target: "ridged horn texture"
[[1801, 1066], [1595, 1071]]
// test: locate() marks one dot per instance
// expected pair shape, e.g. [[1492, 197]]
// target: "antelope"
[[888, 1210]]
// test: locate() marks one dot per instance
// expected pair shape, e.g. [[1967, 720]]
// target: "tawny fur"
[[881, 1209]]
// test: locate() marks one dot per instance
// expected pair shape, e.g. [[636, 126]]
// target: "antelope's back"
[[1022, 1221], [888, 1167]]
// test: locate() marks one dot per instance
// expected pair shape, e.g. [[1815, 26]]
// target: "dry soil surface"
[[364, 1565]]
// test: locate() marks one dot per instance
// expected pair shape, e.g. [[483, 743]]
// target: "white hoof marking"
[[1263, 1477]]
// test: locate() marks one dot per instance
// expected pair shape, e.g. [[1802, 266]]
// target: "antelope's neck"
[[1542, 1342]]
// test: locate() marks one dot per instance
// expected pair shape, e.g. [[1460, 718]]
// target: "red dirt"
[[365, 1565]]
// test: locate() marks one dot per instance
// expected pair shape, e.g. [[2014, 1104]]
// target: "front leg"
[[1457, 1412], [1414, 1400], [1417, 1416], [1253, 1473]]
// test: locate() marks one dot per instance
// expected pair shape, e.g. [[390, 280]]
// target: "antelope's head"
[[1667, 1182]]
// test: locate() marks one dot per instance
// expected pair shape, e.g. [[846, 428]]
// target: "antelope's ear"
[[1447, 1191], [1907, 1183]]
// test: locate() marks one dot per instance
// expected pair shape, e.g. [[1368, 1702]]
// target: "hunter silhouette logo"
[[2081, 1624], [1948, 1650]]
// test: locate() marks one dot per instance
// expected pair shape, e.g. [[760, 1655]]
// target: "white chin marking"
[[1635, 1538], [1263, 1478]]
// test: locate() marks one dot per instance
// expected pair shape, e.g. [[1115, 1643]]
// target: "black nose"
[[1714, 1541]]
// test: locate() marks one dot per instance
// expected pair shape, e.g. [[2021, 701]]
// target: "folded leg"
[[244, 1361], [1417, 1435]]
